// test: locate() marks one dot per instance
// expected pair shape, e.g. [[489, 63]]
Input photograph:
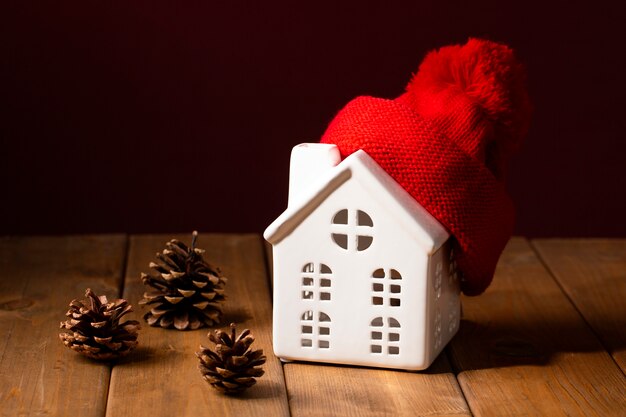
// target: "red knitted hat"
[[447, 141]]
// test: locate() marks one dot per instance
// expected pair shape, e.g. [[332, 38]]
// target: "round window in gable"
[[352, 230]]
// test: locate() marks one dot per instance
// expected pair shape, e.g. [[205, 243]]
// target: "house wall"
[[350, 308], [444, 305]]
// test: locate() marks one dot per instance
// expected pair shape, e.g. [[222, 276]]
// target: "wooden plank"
[[320, 390], [39, 276], [592, 272], [162, 379], [523, 349], [326, 390]]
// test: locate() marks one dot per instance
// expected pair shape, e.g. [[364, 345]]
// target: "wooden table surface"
[[547, 338]]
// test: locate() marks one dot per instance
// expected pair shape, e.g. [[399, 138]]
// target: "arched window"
[[385, 336], [316, 279], [386, 287], [437, 330], [352, 229], [315, 330], [452, 270], [438, 279]]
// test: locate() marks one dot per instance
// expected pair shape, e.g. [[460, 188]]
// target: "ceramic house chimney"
[[309, 161]]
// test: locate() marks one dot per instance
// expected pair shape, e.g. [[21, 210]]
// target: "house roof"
[[359, 166]]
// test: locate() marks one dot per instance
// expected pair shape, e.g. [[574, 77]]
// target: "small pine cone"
[[94, 327], [188, 291], [233, 366]]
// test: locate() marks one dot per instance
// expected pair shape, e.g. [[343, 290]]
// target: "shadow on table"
[[441, 365], [235, 315], [264, 388], [141, 354], [504, 342]]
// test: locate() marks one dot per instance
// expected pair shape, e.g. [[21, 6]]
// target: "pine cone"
[[94, 327], [189, 291], [233, 366]]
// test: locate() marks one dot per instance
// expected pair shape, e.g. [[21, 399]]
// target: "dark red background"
[[141, 117]]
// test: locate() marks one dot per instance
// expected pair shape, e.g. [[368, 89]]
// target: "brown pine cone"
[[94, 327], [233, 366], [188, 291]]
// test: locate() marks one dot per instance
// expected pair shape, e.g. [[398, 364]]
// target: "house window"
[[385, 336], [437, 330], [452, 316], [316, 281], [386, 287], [352, 229], [452, 270], [438, 279], [315, 330]]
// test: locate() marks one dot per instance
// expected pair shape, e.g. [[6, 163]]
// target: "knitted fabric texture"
[[446, 142]]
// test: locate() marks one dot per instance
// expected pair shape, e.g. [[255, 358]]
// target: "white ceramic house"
[[363, 274]]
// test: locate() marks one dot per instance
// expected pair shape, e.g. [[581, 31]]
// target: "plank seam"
[[106, 395], [268, 279], [124, 274], [456, 372], [554, 276]]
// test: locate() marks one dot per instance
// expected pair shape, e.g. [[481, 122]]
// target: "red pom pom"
[[490, 77]]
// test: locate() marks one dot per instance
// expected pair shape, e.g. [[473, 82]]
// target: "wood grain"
[[327, 390], [592, 272], [162, 379], [39, 276], [523, 349], [320, 390]]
